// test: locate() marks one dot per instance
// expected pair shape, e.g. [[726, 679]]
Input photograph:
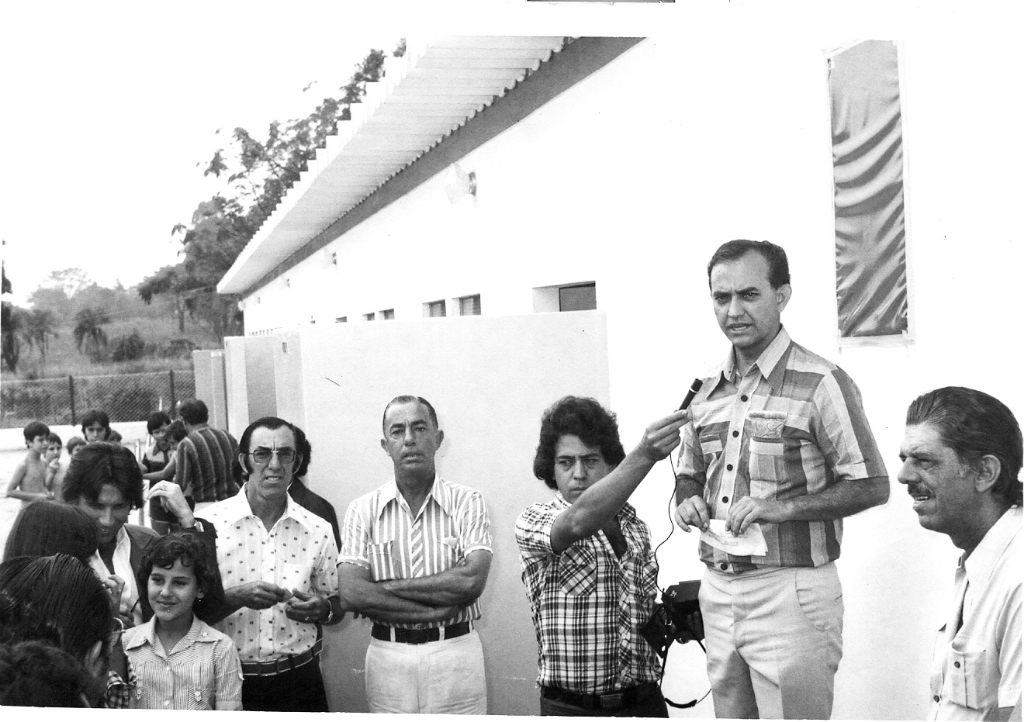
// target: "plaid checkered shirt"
[[793, 425], [588, 605]]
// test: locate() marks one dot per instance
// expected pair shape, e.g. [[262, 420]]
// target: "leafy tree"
[[259, 173], [128, 348], [39, 324], [52, 299], [88, 332], [10, 327], [69, 280]]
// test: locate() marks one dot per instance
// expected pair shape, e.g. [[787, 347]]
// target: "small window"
[[341, 319], [435, 309], [469, 305], [578, 298], [369, 316], [388, 314]]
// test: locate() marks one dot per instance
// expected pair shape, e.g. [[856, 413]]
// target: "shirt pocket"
[[710, 448], [200, 690], [972, 675], [766, 451], [449, 552], [577, 571], [382, 562]]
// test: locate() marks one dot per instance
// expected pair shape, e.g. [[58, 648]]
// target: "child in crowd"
[[74, 444], [96, 427], [156, 457], [160, 519], [54, 469], [180, 662], [29, 480]]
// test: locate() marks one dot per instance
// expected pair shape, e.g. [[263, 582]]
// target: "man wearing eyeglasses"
[[279, 566], [415, 554]]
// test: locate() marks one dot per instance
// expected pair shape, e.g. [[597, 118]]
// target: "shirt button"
[[725, 500], [743, 397], [724, 566], [735, 433], [956, 664], [728, 467], [936, 698]]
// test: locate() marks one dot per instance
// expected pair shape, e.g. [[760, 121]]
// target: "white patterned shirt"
[[297, 553], [381, 534], [201, 672]]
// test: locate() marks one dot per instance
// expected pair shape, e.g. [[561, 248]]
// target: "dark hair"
[[406, 399], [193, 412], [584, 418], [304, 448], [156, 420], [778, 264], [49, 527], [176, 431], [974, 424], [100, 463], [73, 442], [55, 599], [54, 439], [36, 674], [193, 551], [267, 422], [95, 416], [34, 429]]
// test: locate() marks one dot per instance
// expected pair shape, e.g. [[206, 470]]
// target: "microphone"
[[694, 388]]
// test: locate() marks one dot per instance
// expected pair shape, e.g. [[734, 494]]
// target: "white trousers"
[[444, 677], [774, 641]]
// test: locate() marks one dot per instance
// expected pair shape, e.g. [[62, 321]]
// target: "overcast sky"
[[105, 115]]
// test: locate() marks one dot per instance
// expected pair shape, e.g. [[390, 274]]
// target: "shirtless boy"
[[29, 480]]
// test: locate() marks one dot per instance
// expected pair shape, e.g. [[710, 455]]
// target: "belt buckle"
[[610, 701]]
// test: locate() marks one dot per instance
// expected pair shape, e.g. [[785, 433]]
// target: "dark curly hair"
[[974, 424], [36, 674], [193, 551], [100, 463], [583, 418]]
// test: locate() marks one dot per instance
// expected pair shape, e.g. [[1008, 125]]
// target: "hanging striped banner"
[[867, 159]]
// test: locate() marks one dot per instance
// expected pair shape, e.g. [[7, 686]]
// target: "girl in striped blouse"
[[179, 661]]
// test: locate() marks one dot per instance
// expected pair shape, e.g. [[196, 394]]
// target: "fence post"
[[173, 401], [71, 391]]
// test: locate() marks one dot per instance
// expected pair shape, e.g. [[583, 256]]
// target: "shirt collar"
[[771, 362], [147, 634], [238, 508], [983, 559], [122, 538], [439, 492]]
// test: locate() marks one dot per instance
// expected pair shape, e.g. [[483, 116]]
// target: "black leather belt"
[[284, 664], [419, 636], [609, 700]]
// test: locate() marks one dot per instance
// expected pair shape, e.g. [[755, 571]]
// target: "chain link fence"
[[124, 397]]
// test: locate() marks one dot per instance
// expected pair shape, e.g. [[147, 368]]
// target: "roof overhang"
[[432, 90]]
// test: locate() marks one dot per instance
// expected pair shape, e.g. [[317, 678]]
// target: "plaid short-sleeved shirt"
[[588, 605], [380, 531], [793, 425]]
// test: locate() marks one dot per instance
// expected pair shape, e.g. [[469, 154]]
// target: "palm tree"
[[38, 327], [89, 331]]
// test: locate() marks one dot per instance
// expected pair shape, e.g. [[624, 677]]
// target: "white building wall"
[[635, 175]]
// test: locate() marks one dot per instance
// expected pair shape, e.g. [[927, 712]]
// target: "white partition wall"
[[489, 380]]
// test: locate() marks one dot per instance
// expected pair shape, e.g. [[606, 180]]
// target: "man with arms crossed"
[[779, 437], [415, 554], [961, 456], [279, 566], [588, 567]]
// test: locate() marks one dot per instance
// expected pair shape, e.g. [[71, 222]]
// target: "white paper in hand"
[[750, 543]]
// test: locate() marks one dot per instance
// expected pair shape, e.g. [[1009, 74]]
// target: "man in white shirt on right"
[[962, 453]]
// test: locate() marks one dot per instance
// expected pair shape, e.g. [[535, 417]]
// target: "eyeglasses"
[[262, 455], [116, 630]]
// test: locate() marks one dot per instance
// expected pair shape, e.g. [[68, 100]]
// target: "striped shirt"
[[381, 534], [297, 553], [588, 605], [204, 462], [794, 425], [201, 672]]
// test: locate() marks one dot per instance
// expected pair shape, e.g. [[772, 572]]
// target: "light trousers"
[[444, 677], [774, 640]]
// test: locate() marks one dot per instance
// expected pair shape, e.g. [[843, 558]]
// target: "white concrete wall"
[[635, 175]]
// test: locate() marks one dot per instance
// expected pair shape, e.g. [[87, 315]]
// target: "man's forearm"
[[599, 504], [374, 600], [455, 586], [687, 487], [844, 499]]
